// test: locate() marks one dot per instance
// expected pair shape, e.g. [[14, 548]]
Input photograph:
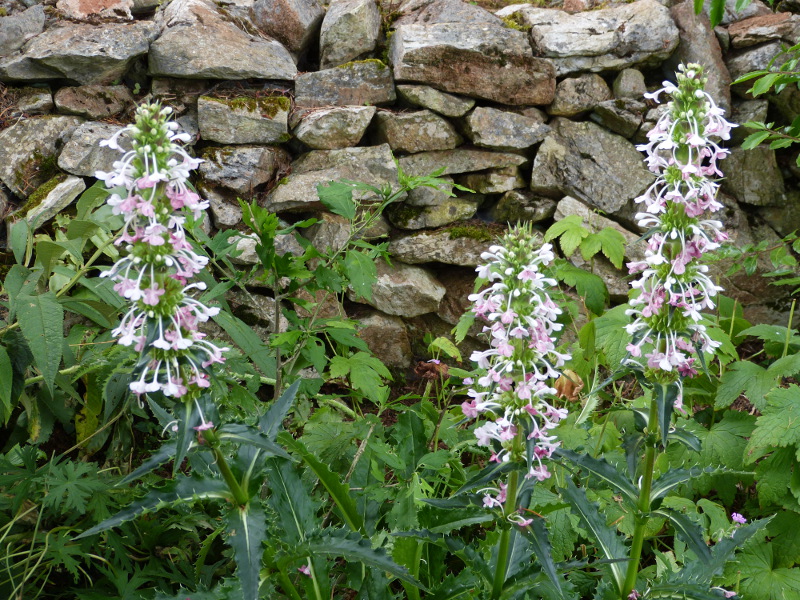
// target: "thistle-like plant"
[[513, 389]]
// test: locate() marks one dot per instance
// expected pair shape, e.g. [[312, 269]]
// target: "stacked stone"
[[536, 109]]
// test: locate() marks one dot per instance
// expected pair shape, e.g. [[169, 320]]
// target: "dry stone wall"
[[536, 109]]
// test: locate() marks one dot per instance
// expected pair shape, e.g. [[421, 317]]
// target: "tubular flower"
[[673, 287], [148, 188], [520, 321]]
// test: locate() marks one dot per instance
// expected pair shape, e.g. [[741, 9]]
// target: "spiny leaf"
[[676, 477], [602, 469], [291, 499], [246, 530], [41, 319], [155, 460], [179, 490], [665, 396], [252, 345], [537, 536], [240, 433], [690, 531]]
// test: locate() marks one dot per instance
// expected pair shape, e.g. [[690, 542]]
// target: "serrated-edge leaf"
[[675, 477], [690, 531], [252, 345], [338, 490], [607, 539], [240, 433], [246, 529], [155, 460], [41, 320], [179, 490], [601, 468], [537, 536], [665, 396], [290, 498]]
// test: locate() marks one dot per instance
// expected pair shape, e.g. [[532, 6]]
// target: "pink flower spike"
[[737, 518], [305, 570], [151, 295], [204, 426]]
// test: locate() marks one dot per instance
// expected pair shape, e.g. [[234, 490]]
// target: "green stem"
[[644, 504], [239, 495], [288, 586], [505, 536], [789, 330]]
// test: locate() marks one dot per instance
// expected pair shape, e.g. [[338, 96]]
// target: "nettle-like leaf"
[[689, 531], [570, 231], [246, 530], [760, 578], [590, 286], [604, 470], [338, 198], [41, 320], [291, 500], [609, 241], [362, 273], [365, 372], [754, 380], [779, 425]]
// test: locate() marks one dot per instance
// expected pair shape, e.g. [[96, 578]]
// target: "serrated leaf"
[[165, 452], [717, 11], [761, 580], [676, 477], [665, 396], [754, 139], [246, 530], [41, 320], [613, 245], [610, 334], [763, 85], [689, 531], [338, 198], [361, 272], [779, 425], [179, 490], [339, 491], [744, 377], [571, 232], [291, 500], [537, 536], [240, 433], [609, 542], [588, 285]]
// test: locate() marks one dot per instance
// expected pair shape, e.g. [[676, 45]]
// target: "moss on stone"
[[472, 231], [268, 106], [38, 166], [515, 21], [40, 193], [402, 214], [381, 65]]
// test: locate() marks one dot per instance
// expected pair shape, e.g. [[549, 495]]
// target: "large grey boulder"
[[18, 28], [593, 165], [294, 23], [419, 131], [404, 290], [460, 160], [81, 10], [629, 83], [443, 11], [640, 33], [79, 52], [445, 104], [753, 177], [28, 150], [83, 156], [699, 44], [494, 181], [199, 43], [356, 83], [622, 115], [298, 190], [332, 128], [34, 100], [387, 338], [483, 61], [448, 211], [350, 30], [244, 120], [523, 205], [94, 101], [766, 28], [755, 58], [451, 246], [578, 95], [242, 169], [503, 130]]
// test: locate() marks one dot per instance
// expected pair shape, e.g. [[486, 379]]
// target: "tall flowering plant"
[[513, 392], [669, 338]]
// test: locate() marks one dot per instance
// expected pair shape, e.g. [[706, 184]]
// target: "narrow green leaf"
[[338, 490], [188, 418], [6, 377], [765, 83], [246, 530], [607, 539], [177, 491], [754, 139], [602, 469], [247, 339], [689, 531], [291, 500], [665, 396], [272, 421], [18, 239], [155, 460], [717, 11], [537, 536], [239, 433], [41, 320]]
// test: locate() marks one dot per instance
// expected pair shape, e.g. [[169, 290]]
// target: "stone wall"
[[536, 109]]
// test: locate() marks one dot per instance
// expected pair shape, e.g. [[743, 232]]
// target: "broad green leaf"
[[361, 272], [571, 231], [764, 84], [717, 11], [6, 377], [774, 335], [779, 425], [761, 580], [610, 334], [365, 372], [607, 539], [180, 490], [247, 339], [774, 477], [92, 198], [338, 198], [754, 139], [744, 377], [412, 443], [338, 490], [41, 320], [445, 345], [602, 469], [613, 245], [18, 237], [784, 531], [246, 530], [588, 285]]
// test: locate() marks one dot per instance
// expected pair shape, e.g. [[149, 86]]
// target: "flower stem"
[[505, 536], [644, 504], [239, 495]]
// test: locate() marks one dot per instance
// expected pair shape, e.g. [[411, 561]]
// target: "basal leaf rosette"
[[674, 288], [149, 189], [513, 392]]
